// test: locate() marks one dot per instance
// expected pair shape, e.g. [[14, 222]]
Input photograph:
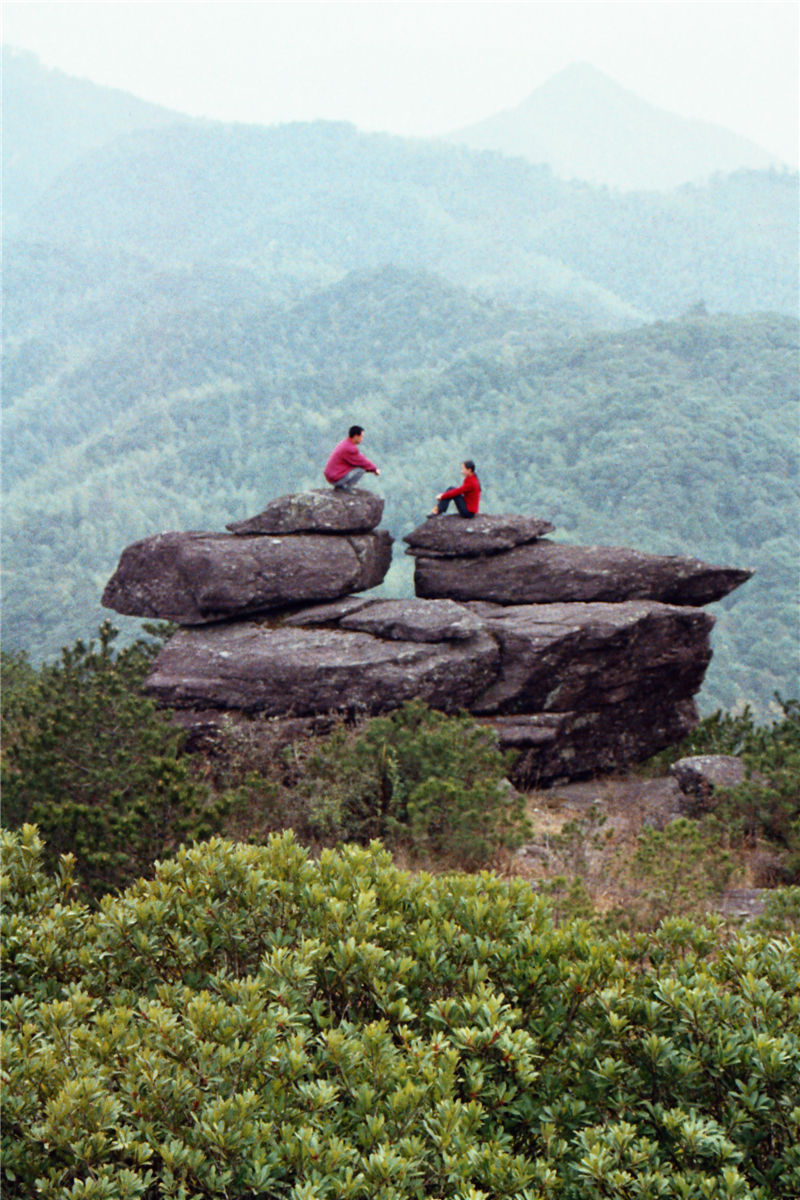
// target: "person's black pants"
[[459, 502]]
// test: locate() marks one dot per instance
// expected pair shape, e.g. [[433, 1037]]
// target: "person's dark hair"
[[470, 465], [355, 430]]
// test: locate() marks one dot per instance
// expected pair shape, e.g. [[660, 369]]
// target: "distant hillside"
[[584, 126], [50, 120], [676, 438], [193, 313], [309, 202], [298, 206]]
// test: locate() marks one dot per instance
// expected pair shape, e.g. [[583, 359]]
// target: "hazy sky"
[[426, 68]]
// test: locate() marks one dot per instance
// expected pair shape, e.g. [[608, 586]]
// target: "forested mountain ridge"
[[195, 312], [586, 126], [312, 201], [52, 119], [674, 437]]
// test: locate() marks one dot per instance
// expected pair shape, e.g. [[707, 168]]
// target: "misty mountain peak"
[[586, 126], [580, 75]]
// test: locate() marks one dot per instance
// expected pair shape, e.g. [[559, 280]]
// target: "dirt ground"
[[589, 831]]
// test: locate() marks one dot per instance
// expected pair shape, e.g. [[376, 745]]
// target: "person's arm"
[[357, 459], [466, 486]]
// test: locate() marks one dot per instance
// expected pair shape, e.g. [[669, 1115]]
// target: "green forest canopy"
[[195, 311], [674, 437]]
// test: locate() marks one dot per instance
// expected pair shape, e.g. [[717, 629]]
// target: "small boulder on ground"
[[702, 773]]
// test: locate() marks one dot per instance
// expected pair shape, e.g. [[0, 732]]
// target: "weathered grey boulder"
[[573, 688], [459, 537], [322, 510], [573, 745], [328, 614], [289, 671], [398, 620], [574, 657], [193, 578], [702, 773], [543, 572], [416, 621]]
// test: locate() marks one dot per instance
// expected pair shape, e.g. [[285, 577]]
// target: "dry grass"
[[589, 832], [583, 835]]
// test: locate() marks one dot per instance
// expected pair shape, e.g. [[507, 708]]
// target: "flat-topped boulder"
[[193, 578], [322, 510], [573, 688], [460, 537], [289, 671], [397, 620], [544, 572]]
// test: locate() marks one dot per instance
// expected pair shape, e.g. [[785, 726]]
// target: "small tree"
[[96, 766], [432, 783]]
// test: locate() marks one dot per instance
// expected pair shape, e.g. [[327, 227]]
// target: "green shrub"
[[781, 911], [720, 733], [677, 872], [767, 804], [95, 766], [431, 784], [252, 1023]]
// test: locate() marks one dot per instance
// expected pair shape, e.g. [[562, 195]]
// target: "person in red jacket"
[[466, 498], [347, 464]]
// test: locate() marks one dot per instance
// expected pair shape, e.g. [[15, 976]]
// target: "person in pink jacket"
[[347, 464]]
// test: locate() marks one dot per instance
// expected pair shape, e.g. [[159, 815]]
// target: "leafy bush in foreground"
[[252, 1023]]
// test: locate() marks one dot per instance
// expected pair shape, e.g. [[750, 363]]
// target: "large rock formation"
[[542, 572], [573, 688], [194, 578], [583, 659]]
